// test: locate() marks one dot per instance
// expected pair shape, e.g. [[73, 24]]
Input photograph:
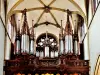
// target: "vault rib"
[[51, 2], [59, 9], [31, 9], [40, 17], [38, 8], [57, 25], [53, 17], [41, 2]]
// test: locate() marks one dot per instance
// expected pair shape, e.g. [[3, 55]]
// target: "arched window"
[[47, 46]]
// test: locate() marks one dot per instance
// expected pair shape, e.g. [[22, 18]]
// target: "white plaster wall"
[[94, 40], [2, 12], [90, 13], [7, 49], [50, 28], [86, 51], [2, 38]]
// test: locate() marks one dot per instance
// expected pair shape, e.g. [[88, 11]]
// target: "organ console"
[[46, 59]]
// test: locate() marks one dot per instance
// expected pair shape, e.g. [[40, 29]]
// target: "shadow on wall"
[[97, 67]]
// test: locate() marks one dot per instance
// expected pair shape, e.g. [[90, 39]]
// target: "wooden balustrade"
[[60, 64]]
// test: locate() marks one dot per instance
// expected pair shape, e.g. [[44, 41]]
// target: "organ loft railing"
[[46, 56]]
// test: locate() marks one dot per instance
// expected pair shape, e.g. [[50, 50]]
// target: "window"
[[47, 46]]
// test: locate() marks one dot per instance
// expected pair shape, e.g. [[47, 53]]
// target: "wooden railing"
[[36, 64]]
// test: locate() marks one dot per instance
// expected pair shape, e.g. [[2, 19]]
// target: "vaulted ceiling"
[[47, 14]]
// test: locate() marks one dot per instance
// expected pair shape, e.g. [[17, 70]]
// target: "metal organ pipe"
[[68, 37], [32, 40], [79, 48], [71, 43], [22, 44], [61, 46], [18, 40], [76, 45], [56, 53], [76, 48], [27, 44], [37, 53], [46, 51], [41, 54], [18, 43], [32, 47], [25, 35], [61, 40], [46, 46], [66, 44], [18, 47], [52, 54]]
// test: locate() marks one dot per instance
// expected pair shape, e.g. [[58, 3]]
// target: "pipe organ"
[[25, 36], [68, 42], [46, 58], [68, 37]]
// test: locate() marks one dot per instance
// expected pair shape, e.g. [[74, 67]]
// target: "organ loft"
[[46, 55]]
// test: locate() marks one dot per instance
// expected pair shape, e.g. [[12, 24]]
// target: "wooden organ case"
[[24, 60]]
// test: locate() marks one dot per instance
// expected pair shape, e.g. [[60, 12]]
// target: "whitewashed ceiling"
[[47, 11]]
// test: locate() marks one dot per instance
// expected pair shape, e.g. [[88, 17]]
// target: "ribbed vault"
[[48, 12]]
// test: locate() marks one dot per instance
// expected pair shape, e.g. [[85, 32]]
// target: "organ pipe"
[[32, 40], [46, 46], [34, 44], [17, 42], [46, 51], [32, 47], [52, 54], [37, 53], [56, 54], [76, 50], [71, 43], [17, 50], [22, 44], [79, 48], [25, 35], [76, 44], [61, 40], [68, 37], [66, 44], [61, 46], [41, 54]]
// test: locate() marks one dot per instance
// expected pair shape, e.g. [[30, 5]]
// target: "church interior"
[[49, 37]]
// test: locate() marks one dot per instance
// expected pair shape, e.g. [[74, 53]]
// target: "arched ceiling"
[[47, 12]]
